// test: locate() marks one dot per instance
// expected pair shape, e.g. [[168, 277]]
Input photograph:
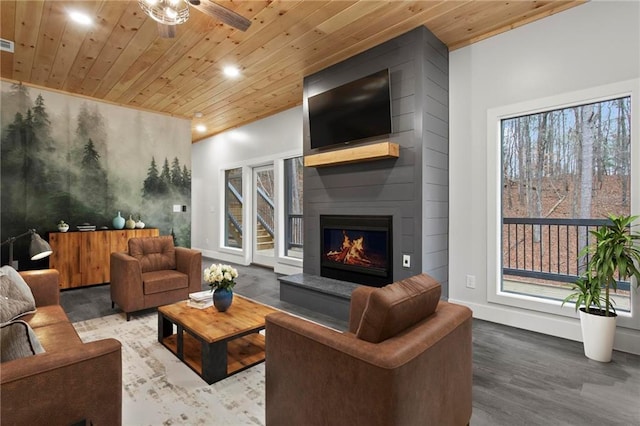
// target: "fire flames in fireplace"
[[354, 252]]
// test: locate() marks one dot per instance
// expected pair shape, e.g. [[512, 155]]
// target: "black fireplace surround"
[[357, 249]]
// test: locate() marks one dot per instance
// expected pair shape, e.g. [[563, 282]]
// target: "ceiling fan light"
[[80, 17], [231, 71], [167, 12]]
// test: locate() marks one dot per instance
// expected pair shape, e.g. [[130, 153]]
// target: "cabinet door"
[[148, 232], [119, 240], [94, 262], [66, 257]]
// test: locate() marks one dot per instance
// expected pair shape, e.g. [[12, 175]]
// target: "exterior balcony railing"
[[548, 249]]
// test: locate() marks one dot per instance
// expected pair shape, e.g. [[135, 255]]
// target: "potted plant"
[[615, 253], [62, 226], [221, 279]]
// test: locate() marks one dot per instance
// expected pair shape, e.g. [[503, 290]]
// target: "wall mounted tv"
[[357, 110]]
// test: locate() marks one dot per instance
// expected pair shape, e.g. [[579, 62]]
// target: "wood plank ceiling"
[[121, 59]]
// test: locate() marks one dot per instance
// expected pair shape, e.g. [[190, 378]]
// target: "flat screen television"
[[357, 110]]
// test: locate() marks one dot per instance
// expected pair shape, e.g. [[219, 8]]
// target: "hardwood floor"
[[519, 377]]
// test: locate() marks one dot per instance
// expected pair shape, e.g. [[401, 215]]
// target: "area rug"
[[158, 389]]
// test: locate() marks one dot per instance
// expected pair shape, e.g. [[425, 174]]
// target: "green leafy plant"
[[615, 253]]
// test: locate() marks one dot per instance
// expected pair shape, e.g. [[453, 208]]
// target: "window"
[[233, 207], [562, 172], [294, 236]]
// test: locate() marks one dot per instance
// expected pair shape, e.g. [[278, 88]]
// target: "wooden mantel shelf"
[[378, 151]]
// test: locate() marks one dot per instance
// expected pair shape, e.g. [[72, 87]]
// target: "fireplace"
[[357, 249]]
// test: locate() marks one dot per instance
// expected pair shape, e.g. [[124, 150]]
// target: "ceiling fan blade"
[[225, 15], [166, 31]]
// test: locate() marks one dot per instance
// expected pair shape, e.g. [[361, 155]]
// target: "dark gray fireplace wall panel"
[[412, 188]]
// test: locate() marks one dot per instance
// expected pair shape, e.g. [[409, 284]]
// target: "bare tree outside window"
[[563, 172]]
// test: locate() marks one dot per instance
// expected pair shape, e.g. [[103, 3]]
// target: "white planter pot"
[[597, 336]]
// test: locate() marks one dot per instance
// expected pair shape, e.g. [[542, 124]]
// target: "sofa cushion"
[[17, 340], [161, 281], [154, 253], [398, 306], [57, 337], [16, 298], [45, 316]]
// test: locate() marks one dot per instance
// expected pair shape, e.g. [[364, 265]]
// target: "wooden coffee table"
[[215, 344]]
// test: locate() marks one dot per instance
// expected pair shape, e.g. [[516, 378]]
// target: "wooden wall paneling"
[[115, 76], [164, 53], [7, 31], [255, 43], [127, 23], [298, 55], [121, 59], [258, 61], [68, 44], [48, 39], [28, 18], [95, 40], [66, 257]]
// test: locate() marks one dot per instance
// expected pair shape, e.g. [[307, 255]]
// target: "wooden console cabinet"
[[82, 258]]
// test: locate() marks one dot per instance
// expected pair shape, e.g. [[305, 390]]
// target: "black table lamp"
[[38, 249]]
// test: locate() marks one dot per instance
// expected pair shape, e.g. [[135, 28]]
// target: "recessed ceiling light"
[[231, 71], [80, 17], [201, 128], [198, 114]]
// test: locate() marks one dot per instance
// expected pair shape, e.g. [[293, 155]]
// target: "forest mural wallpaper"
[[83, 161]]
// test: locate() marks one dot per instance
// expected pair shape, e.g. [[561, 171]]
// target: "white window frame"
[[288, 260], [245, 254], [494, 193]]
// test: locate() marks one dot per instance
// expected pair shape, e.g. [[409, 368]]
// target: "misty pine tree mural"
[[82, 161]]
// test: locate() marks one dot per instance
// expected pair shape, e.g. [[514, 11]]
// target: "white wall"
[[267, 140], [591, 45]]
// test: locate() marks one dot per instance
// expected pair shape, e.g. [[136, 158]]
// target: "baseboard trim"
[[626, 340]]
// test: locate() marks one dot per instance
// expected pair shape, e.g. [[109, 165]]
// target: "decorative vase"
[[139, 224], [118, 222], [130, 224], [222, 299], [63, 227], [598, 333]]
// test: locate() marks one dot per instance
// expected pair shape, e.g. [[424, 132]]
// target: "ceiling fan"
[[169, 13]]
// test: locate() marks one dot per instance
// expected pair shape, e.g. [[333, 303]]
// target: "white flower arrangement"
[[220, 276]]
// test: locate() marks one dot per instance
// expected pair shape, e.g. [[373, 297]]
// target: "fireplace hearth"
[[357, 248]]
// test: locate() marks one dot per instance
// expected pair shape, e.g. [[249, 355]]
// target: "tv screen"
[[357, 110]]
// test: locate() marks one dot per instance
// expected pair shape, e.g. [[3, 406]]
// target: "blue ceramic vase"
[[222, 299], [118, 222]]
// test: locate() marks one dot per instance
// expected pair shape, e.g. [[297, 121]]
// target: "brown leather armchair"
[[153, 273], [406, 360]]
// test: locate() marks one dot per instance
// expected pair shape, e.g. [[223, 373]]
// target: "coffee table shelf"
[[242, 353], [215, 344]]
